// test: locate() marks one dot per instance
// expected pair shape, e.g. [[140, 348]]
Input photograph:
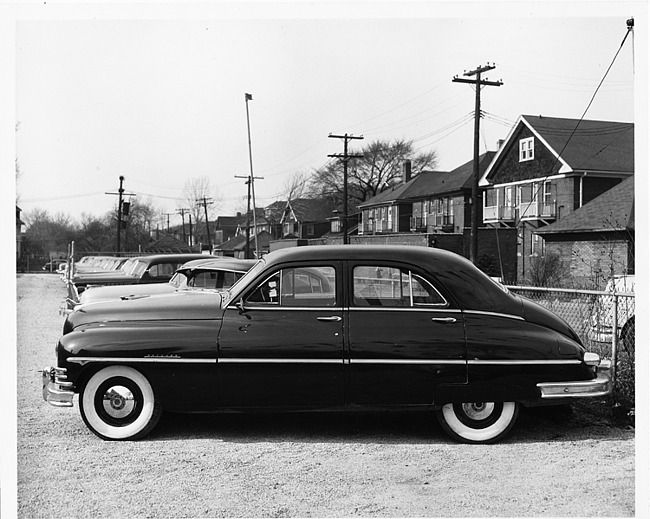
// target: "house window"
[[526, 149]]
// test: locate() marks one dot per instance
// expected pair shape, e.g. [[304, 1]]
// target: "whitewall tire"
[[118, 403], [479, 422]]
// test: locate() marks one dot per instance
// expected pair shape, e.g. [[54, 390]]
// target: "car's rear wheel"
[[478, 422], [118, 403]]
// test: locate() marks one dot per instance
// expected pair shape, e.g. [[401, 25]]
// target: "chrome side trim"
[[494, 314], [153, 360], [541, 362], [242, 360], [407, 361], [239, 360], [277, 308], [426, 309]]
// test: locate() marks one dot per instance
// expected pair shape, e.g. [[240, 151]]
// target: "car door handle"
[[332, 318], [444, 319]]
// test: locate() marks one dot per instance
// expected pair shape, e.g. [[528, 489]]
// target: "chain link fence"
[[604, 320]]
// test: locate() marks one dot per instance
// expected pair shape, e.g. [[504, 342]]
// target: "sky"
[[155, 92]]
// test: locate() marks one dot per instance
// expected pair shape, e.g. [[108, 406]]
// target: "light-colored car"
[[618, 295], [211, 274]]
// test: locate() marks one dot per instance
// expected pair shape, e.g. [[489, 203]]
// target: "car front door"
[[281, 342], [404, 337]]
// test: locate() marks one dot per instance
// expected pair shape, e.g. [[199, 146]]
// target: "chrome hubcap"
[[478, 410], [118, 402]]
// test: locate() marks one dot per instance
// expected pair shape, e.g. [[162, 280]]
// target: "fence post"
[[614, 340]]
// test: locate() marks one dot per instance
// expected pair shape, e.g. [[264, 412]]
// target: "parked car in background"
[[157, 268], [603, 317], [328, 328], [202, 274], [54, 265]]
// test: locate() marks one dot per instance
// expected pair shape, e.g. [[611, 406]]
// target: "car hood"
[[182, 305], [537, 314], [95, 294]]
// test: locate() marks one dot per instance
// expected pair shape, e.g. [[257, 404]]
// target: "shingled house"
[[596, 240], [549, 167]]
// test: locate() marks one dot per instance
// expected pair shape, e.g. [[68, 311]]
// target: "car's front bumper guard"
[[57, 391], [599, 386]]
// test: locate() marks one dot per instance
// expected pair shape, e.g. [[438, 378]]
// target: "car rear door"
[[404, 336]]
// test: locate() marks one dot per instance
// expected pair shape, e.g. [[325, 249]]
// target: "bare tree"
[[296, 186], [199, 194], [380, 168]]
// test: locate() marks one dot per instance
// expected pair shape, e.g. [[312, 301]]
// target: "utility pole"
[[191, 235], [249, 183], [167, 215], [207, 223], [120, 193], [478, 83], [182, 212], [247, 98], [345, 157]]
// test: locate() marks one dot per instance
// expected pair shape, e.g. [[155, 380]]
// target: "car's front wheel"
[[118, 403], [478, 422]]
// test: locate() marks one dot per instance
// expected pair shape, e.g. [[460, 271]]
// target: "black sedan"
[[327, 328]]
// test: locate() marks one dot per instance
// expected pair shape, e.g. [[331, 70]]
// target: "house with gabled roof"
[[596, 240], [430, 202], [549, 167], [305, 218], [238, 247]]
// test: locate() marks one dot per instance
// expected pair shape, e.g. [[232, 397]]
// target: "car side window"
[[162, 270], [297, 287], [393, 287], [213, 279]]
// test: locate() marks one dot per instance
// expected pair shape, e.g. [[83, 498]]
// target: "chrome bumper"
[[599, 386], [57, 391]]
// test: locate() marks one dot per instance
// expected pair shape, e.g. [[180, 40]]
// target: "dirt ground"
[[557, 462]]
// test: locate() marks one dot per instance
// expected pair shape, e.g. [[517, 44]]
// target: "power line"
[[630, 28]]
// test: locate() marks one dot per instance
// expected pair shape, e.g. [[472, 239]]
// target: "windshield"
[[177, 279], [138, 269], [243, 281]]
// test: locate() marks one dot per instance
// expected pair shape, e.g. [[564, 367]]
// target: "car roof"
[[219, 264], [404, 253]]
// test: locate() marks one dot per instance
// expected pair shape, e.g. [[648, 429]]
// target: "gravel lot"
[[557, 462]]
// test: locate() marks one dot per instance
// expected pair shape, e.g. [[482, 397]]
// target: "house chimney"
[[500, 143], [407, 171]]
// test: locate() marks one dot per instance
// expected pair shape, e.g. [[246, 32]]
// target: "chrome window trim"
[[278, 308]]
